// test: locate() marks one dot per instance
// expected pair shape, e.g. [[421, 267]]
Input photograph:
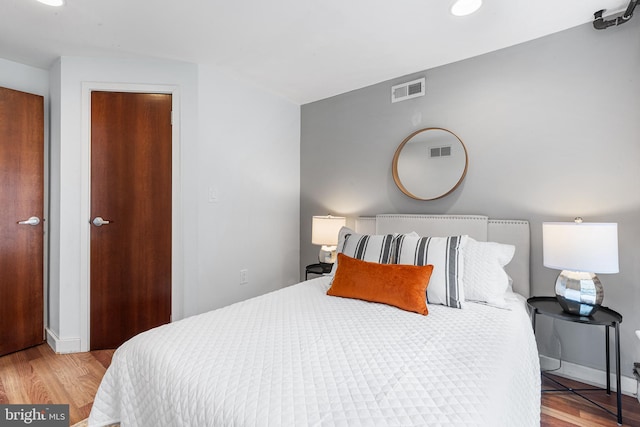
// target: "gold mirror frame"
[[396, 156]]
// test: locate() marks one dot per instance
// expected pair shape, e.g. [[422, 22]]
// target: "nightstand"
[[549, 306], [319, 269]]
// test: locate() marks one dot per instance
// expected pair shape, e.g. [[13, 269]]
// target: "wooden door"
[[131, 192], [21, 198]]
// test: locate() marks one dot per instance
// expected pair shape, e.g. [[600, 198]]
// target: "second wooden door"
[[21, 216]]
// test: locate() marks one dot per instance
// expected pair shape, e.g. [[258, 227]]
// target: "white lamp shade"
[[324, 229], [588, 247]]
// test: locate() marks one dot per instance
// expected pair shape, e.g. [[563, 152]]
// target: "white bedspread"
[[297, 357]]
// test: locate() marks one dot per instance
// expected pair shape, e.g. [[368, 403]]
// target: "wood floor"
[[567, 409], [38, 375]]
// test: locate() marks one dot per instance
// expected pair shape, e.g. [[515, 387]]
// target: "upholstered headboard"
[[481, 228]]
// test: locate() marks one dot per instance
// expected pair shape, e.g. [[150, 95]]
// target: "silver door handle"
[[99, 222], [34, 220]]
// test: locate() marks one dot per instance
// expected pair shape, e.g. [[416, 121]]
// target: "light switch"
[[212, 195]]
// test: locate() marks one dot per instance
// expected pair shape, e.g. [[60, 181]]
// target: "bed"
[[298, 357]]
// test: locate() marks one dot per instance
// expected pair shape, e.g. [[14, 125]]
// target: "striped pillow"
[[446, 255], [365, 247]]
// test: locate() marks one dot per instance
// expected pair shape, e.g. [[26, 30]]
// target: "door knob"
[[99, 222], [34, 220]]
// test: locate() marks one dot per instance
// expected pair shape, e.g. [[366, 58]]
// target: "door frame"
[[177, 288]]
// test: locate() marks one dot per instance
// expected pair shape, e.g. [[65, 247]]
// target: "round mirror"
[[430, 163]]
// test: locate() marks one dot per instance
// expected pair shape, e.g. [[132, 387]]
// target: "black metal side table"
[[319, 269], [549, 306]]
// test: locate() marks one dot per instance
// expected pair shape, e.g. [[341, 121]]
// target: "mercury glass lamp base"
[[579, 293], [327, 254]]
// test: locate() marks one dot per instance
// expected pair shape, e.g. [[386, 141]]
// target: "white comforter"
[[297, 357]]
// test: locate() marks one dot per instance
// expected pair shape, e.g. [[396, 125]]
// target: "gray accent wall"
[[552, 129]]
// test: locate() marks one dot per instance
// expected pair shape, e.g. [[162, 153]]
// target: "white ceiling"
[[304, 50]]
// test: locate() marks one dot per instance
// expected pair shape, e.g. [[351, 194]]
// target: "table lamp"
[[580, 249], [324, 231]]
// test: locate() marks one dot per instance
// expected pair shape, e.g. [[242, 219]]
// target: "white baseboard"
[[588, 375], [67, 345]]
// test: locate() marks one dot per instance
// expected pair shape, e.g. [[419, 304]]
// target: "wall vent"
[[440, 151], [408, 90]]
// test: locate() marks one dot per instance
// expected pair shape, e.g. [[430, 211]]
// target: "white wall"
[[552, 128], [248, 191], [234, 139], [24, 78], [53, 279]]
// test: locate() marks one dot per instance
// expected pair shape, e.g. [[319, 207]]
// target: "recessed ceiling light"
[[465, 7], [52, 2]]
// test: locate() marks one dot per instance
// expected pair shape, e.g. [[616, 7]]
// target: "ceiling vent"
[[408, 90]]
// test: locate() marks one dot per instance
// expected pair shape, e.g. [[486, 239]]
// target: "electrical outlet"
[[244, 276]]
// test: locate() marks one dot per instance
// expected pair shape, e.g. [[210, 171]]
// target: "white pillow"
[[446, 285], [484, 277], [365, 247]]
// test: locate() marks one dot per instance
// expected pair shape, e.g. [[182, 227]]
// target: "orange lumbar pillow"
[[402, 286]]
